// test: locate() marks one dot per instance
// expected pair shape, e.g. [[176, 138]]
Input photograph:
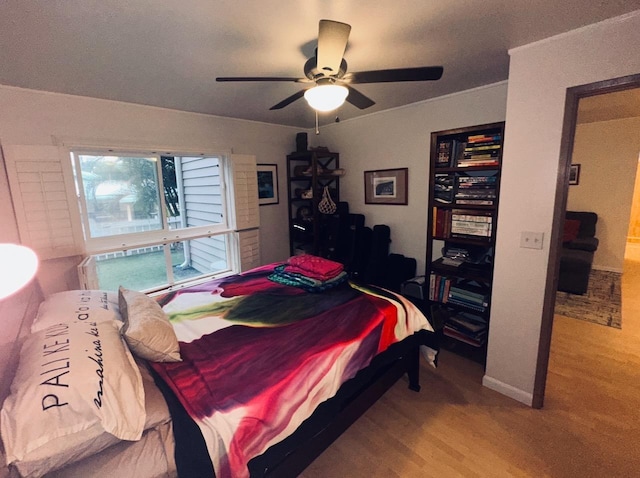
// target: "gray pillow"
[[147, 329]]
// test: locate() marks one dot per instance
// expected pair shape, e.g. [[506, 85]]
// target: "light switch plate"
[[531, 240]]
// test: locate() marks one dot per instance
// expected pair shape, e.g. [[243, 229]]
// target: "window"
[[152, 221]]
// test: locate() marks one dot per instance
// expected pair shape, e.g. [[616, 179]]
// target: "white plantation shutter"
[[48, 213], [45, 204], [88, 274], [245, 192], [249, 248], [246, 216]]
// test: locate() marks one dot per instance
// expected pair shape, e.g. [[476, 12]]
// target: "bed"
[[268, 374]]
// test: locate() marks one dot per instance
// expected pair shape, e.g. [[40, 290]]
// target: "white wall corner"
[[508, 390]]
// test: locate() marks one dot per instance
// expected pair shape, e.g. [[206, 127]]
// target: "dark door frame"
[[574, 95]]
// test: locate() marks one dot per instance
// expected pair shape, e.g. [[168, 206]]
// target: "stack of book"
[[443, 190], [476, 190], [467, 327], [471, 225], [481, 150], [470, 296]]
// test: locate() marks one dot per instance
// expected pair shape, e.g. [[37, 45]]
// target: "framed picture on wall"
[[386, 186], [267, 184], [574, 174]]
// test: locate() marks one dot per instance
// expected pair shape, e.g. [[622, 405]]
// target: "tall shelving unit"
[[308, 172], [464, 189]]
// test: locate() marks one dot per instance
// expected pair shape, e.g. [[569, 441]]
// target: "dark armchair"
[[578, 247]]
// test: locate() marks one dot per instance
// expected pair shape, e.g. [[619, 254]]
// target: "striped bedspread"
[[259, 356]]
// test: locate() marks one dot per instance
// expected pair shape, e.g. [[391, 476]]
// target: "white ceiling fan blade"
[[332, 42]]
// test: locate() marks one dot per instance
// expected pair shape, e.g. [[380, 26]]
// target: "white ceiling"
[[168, 52]]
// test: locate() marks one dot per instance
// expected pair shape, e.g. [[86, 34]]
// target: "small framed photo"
[[267, 184], [574, 174], [386, 186]]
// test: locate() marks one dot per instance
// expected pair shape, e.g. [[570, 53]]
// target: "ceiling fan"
[[327, 73]]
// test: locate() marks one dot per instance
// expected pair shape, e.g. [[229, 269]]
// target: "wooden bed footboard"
[[292, 455], [294, 463]]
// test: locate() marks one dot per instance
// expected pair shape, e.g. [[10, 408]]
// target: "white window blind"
[[44, 200]]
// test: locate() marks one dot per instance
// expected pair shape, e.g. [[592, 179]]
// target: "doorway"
[[566, 152]]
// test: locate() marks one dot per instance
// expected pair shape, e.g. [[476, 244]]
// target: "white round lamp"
[[18, 265], [326, 97]]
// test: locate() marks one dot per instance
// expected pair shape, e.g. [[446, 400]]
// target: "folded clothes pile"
[[311, 273]]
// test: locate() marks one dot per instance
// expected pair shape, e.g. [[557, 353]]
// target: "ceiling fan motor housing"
[[312, 72]]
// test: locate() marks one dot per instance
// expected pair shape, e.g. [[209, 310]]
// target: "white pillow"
[[77, 305], [77, 390], [147, 329]]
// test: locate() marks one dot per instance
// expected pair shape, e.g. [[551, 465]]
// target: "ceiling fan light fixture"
[[326, 97]]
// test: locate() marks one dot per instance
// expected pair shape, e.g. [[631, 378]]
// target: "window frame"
[[119, 242], [94, 246]]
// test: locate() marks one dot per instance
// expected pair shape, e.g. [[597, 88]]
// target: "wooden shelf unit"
[[308, 173], [464, 190]]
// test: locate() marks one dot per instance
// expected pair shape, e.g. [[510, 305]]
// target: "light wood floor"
[[589, 426]]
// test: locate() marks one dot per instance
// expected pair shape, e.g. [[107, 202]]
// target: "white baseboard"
[[508, 390]]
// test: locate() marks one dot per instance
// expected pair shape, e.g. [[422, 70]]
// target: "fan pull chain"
[[317, 129]]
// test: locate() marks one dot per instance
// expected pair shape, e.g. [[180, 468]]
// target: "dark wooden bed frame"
[[292, 455]]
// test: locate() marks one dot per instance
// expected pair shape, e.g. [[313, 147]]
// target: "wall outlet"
[[531, 240]]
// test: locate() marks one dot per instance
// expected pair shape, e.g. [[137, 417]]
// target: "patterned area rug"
[[601, 304]]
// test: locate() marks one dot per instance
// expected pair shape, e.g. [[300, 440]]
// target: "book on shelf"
[[484, 146], [443, 156], [441, 222], [471, 193], [462, 224], [477, 181], [479, 156], [470, 317], [475, 202], [475, 303], [467, 228], [443, 188], [463, 303], [472, 288], [475, 162], [477, 298], [471, 340], [471, 223], [466, 326], [448, 151], [484, 138], [480, 152], [439, 287]]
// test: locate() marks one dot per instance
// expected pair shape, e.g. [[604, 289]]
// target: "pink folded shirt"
[[314, 267]]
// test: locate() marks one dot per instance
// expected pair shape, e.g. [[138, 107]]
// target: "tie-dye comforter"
[[259, 357]]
